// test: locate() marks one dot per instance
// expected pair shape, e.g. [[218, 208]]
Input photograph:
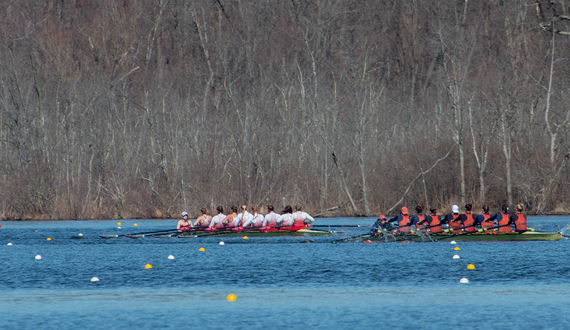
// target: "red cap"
[[404, 210], [382, 217]]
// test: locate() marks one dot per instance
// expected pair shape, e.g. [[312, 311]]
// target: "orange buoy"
[[457, 248], [231, 297], [470, 266], [147, 266]]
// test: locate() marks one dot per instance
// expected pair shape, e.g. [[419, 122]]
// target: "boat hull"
[[465, 237], [255, 233]]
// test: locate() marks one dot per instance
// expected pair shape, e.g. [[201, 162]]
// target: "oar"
[[145, 233]]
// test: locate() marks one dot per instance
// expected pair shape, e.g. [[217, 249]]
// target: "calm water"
[[280, 283]]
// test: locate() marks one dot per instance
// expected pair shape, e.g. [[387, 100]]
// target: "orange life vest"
[[434, 224], [486, 224], [468, 224], [504, 223], [420, 224], [404, 224], [455, 224], [520, 222]]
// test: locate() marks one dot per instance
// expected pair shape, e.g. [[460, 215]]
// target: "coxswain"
[[285, 220], [204, 219], [244, 217], [434, 221], [217, 220], [270, 220], [256, 219], [453, 220], [483, 218], [403, 220], [469, 223], [519, 220], [184, 223], [503, 219], [419, 219], [301, 219], [381, 225], [231, 219]]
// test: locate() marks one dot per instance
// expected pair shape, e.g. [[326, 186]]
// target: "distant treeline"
[[130, 109]]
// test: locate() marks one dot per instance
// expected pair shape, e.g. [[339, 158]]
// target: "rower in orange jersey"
[[434, 221], [419, 220], [519, 220], [403, 220], [453, 220], [469, 223], [483, 218], [503, 219]]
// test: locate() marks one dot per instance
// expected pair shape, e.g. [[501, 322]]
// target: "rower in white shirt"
[[217, 220], [286, 218], [256, 219], [271, 218], [244, 217], [204, 219], [301, 219]]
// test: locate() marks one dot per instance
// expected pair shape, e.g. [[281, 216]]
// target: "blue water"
[[280, 283]]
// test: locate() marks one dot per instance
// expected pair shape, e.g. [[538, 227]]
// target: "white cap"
[[184, 214], [455, 209]]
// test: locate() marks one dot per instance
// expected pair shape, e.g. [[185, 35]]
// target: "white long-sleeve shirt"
[[285, 219], [243, 218], [270, 217], [304, 215], [217, 219], [255, 221]]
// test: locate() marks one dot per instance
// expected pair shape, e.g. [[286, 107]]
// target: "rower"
[[453, 220], [184, 223], [217, 220], [503, 219], [285, 220], [231, 219], [301, 219], [403, 220], [519, 220], [256, 219], [419, 219], [204, 219], [381, 225], [467, 219], [434, 221], [483, 218], [244, 218], [270, 219]]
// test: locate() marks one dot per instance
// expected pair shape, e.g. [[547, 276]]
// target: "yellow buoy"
[[118, 223], [48, 239], [470, 266], [231, 297], [457, 248], [202, 249], [135, 225], [245, 237], [148, 266]]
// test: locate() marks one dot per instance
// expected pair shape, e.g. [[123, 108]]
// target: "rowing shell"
[[256, 233], [231, 233], [465, 237]]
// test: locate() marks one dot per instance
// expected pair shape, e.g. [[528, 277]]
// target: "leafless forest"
[[130, 109]]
